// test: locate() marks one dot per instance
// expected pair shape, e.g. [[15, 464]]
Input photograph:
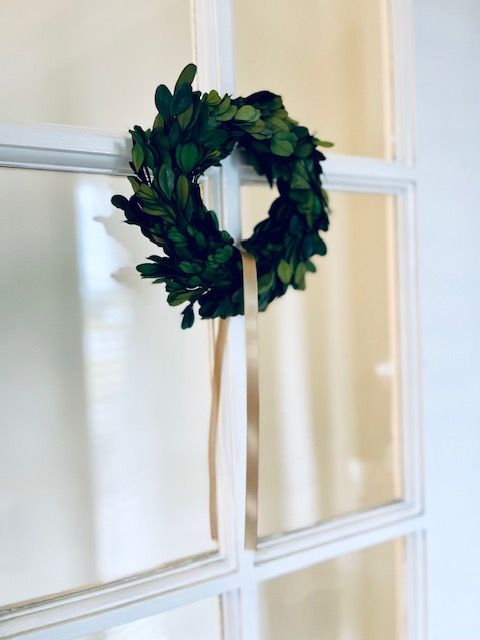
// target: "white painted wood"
[[448, 168], [333, 531], [415, 587], [132, 598], [63, 149], [302, 559], [401, 33]]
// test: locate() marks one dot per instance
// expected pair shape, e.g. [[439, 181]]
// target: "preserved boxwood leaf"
[[187, 76], [163, 100], [167, 180], [183, 191], [247, 112], [285, 271], [182, 99], [188, 156]]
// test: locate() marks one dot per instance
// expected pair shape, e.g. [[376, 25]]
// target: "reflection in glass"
[[329, 60], [89, 63], [104, 399], [329, 372], [359, 596], [198, 621]]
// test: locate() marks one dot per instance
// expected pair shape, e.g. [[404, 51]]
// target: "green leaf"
[[185, 117], [159, 121], [299, 182], [188, 156], [176, 237], [322, 143], [183, 191], [188, 317], [228, 115], [120, 202], [186, 267], [295, 226], [266, 282], [223, 106], [149, 158], [163, 100], [148, 270], [175, 134], [215, 139], [179, 297], [166, 178], [320, 246], [134, 183], [300, 272], [304, 150], [213, 98], [137, 156], [187, 76], [182, 99], [246, 113], [156, 210], [285, 271], [278, 123], [147, 193], [281, 148], [286, 135]]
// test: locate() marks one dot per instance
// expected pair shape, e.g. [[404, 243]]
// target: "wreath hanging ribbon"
[[200, 264], [253, 407]]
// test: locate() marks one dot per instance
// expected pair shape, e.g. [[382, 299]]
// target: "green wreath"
[[191, 133]]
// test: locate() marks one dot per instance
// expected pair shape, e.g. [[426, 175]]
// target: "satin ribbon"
[[250, 289]]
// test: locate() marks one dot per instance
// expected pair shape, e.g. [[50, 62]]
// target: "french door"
[[104, 530]]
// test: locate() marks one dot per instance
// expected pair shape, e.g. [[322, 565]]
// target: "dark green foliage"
[[192, 132]]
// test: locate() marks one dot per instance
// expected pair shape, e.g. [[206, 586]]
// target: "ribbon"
[[250, 293], [250, 301], [212, 436]]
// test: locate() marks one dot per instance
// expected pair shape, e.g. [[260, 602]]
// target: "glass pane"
[[198, 621], [90, 63], [359, 596], [329, 60], [329, 372], [104, 400]]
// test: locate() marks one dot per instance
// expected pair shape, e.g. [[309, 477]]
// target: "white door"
[[369, 449]]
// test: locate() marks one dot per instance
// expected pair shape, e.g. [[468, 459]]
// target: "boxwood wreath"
[[191, 133]]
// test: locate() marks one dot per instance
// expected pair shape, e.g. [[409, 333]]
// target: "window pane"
[[90, 63], [329, 373], [198, 621], [104, 400], [359, 596], [329, 60]]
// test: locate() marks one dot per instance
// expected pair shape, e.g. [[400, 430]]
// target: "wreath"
[[200, 263]]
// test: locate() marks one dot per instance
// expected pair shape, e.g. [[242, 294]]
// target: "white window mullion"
[[63, 148]]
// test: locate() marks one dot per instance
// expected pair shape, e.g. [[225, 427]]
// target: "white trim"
[[130, 598], [415, 588], [333, 531], [401, 25], [302, 559], [348, 172], [63, 149]]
